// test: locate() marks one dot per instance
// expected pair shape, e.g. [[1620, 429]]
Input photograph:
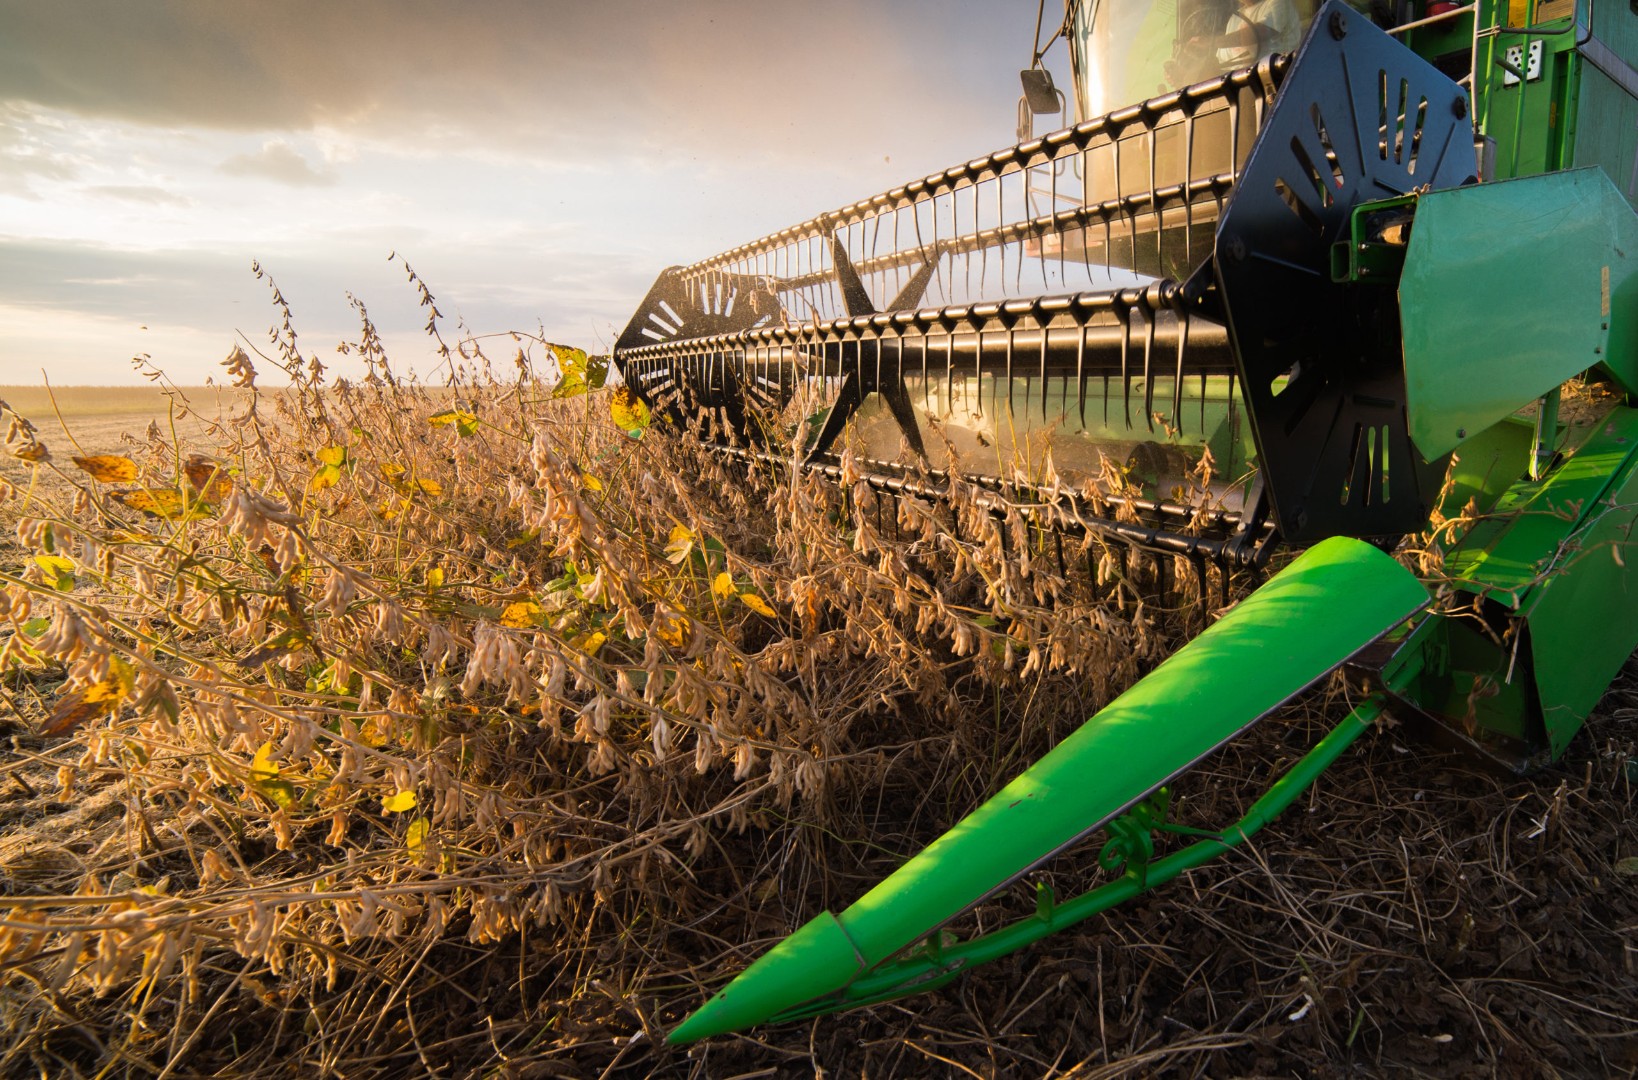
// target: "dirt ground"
[[1415, 914]]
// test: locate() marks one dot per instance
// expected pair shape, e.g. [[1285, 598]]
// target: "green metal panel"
[[1331, 601], [1605, 120], [1487, 466], [1553, 552], [1507, 291], [1506, 553], [1583, 617]]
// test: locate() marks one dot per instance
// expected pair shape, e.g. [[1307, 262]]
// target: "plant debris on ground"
[[384, 729]]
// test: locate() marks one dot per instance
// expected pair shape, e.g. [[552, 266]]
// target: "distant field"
[[35, 402], [97, 420]]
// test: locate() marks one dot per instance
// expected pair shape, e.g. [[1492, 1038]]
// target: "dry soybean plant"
[[374, 683]]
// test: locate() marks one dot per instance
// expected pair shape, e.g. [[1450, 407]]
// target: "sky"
[[536, 163]]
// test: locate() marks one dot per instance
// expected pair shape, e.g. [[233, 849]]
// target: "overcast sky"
[[538, 163]]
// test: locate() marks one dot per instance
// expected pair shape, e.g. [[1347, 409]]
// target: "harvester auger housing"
[[1294, 267]]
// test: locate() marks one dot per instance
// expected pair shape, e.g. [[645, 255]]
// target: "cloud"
[[278, 160], [645, 80], [139, 193]]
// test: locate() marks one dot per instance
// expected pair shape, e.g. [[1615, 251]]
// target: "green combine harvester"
[[1355, 257]]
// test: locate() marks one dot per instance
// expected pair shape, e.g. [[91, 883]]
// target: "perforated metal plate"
[[1360, 118]]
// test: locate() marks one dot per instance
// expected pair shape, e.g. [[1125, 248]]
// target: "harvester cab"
[[1327, 280]]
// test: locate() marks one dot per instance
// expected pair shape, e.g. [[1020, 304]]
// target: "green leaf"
[[37, 626], [1626, 867]]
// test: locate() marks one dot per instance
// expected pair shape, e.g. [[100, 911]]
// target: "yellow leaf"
[[416, 837], [589, 643], [325, 476], [374, 733], [672, 628], [430, 487], [282, 792], [465, 422], [83, 705], [723, 585], [264, 778], [391, 508], [155, 502], [397, 804], [33, 451], [391, 471], [262, 766], [332, 455], [522, 615], [681, 543], [435, 577], [628, 410], [590, 482], [59, 571], [758, 605], [108, 468]]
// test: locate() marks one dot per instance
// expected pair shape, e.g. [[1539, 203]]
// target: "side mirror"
[[1042, 96]]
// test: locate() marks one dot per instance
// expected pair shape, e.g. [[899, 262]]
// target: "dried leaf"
[[673, 628], [108, 468], [758, 605], [680, 544], [523, 615], [209, 479], [398, 803], [628, 410], [724, 585], [164, 503], [275, 647], [84, 705]]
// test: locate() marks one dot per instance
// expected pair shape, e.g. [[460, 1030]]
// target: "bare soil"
[[1415, 915]]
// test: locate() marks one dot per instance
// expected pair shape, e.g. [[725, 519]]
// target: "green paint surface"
[[1331, 601], [1509, 289]]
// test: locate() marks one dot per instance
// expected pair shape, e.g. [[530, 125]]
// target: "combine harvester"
[[1358, 272]]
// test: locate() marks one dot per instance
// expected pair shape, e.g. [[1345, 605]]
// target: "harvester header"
[[1337, 282]]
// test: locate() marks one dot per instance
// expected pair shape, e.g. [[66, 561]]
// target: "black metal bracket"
[[1359, 118]]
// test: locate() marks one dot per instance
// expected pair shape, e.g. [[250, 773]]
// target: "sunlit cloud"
[[277, 160], [538, 162]]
